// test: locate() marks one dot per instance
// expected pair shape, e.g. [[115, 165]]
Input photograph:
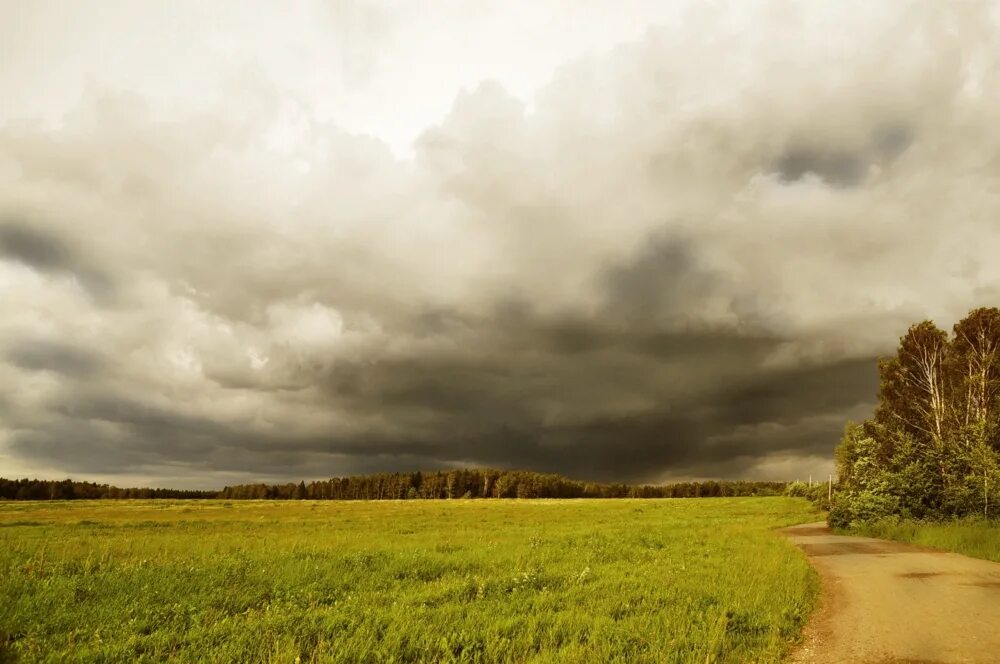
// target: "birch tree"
[[975, 373], [913, 394]]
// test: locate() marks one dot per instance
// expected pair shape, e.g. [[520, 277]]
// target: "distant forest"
[[400, 486]]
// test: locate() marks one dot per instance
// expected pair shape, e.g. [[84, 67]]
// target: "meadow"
[[670, 580], [976, 537]]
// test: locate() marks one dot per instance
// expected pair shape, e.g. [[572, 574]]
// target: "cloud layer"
[[679, 258]]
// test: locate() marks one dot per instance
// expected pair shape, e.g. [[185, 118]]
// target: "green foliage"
[[402, 581], [932, 450], [972, 536], [797, 489], [819, 494]]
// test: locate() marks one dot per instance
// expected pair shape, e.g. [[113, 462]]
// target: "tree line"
[[25, 489], [932, 447], [485, 483], [475, 483]]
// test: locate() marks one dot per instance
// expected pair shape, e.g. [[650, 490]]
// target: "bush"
[[797, 489], [866, 506], [839, 516], [819, 495]]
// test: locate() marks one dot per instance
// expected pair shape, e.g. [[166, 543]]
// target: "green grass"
[[416, 581], [978, 538]]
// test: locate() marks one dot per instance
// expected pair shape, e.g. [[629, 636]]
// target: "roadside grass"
[[706, 580], [976, 537]]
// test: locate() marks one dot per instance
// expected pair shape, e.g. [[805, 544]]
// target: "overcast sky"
[[633, 241]]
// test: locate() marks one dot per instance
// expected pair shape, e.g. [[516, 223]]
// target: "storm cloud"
[[658, 244], [50, 255]]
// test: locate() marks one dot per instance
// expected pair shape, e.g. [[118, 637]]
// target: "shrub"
[[797, 489]]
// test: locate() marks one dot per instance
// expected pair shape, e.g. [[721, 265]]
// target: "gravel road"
[[888, 602]]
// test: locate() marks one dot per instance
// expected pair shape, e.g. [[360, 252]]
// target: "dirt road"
[[888, 602]]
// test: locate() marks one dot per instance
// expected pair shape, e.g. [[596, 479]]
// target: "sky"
[[631, 241]]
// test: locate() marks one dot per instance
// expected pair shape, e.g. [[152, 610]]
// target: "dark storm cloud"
[[34, 248], [841, 166], [108, 407], [663, 281], [488, 407], [694, 435], [679, 260], [50, 254], [683, 434], [838, 167], [797, 392], [61, 358], [890, 140]]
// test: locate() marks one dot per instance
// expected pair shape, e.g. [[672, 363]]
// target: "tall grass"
[[974, 537], [451, 581]]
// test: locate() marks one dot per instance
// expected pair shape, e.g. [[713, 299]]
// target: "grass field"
[[703, 580], [978, 538]]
